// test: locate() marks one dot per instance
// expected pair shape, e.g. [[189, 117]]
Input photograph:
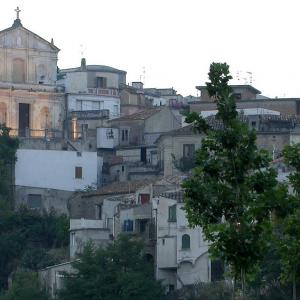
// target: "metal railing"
[[37, 133], [89, 114], [104, 92]]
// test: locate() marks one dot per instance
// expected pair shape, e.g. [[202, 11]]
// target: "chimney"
[[138, 85], [83, 64]]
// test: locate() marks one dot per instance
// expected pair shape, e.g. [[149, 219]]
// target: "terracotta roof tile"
[[140, 115], [115, 188]]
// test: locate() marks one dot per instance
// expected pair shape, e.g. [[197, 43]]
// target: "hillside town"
[[111, 156]]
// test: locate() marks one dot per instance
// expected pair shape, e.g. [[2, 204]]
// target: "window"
[[79, 105], [144, 198], [171, 287], [34, 201], [128, 226], [99, 211], [116, 110], [188, 150], [172, 213], [78, 172], [142, 225], [217, 270], [186, 241], [3, 112], [253, 124], [237, 96], [18, 70], [124, 134], [101, 82], [109, 133]]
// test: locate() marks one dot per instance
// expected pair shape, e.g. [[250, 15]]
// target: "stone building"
[[248, 97], [30, 101], [132, 98], [176, 148]]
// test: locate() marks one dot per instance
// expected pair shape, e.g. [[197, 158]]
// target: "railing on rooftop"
[[89, 114], [104, 92], [32, 87], [48, 134]]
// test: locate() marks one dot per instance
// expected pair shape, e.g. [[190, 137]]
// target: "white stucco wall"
[[103, 141], [192, 265], [94, 102], [56, 169]]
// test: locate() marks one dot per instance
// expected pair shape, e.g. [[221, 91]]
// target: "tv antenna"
[[143, 75], [82, 50], [246, 76]]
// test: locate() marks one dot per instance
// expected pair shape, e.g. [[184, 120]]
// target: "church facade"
[[30, 101]]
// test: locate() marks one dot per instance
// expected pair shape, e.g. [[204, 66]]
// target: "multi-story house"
[[181, 251], [248, 97], [92, 95]]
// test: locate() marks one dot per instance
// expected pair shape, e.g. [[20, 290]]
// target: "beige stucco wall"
[[45, 108], [40, 59], [286, 106], [169, 145], [163, 121]]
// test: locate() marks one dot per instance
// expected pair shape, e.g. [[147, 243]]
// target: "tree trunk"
[[233, 289], [243, 283], [294, 286]]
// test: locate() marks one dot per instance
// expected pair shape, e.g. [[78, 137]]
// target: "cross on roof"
[[17, 10]]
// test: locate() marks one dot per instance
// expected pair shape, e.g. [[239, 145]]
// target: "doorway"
[[24, 118]]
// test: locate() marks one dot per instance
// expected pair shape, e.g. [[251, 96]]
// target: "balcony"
[[29, 133], [77, 224], [89, 114], [104, 92], [32, 87]]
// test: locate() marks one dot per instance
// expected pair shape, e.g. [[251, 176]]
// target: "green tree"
[[118, 272], [27, 238], [232, 189], [8, 149], [289, 224], [26, 285]]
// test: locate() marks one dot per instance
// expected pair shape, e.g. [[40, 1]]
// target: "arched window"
[[3, 113], [45, 118], [186, 241], [18, 70]]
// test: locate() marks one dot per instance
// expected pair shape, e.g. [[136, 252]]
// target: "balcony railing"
[[47, 134], [104, 92], [32, 87], [89, 114]]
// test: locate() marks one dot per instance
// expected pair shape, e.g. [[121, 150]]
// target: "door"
[[24, 118]]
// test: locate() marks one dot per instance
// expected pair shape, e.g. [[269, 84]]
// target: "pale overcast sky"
[[174, 40]]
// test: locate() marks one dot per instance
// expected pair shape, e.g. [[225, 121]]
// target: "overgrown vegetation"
[[118, 272], [8, 149], [28, 239], [31, 240], [26, 285]]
